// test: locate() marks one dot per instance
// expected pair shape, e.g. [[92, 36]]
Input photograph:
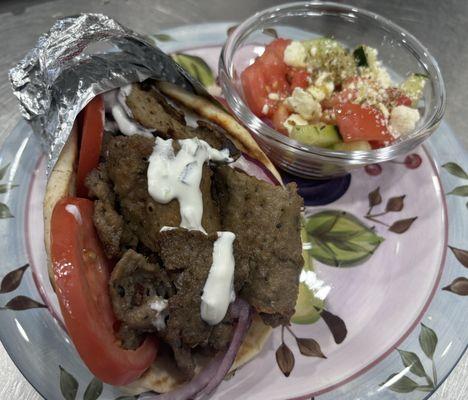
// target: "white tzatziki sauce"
[[115, 104], [172, 176], [218, 291]]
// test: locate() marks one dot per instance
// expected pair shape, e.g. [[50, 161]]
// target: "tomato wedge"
[[356, 122], [266, 75], [91, 141], [277, 47], [254, 85], [81, 273], [398, 98], [298, 78], [280, 115]]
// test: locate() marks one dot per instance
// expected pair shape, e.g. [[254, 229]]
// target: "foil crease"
[[77, 59]]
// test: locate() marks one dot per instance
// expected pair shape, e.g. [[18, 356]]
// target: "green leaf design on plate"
[[5, 211], [411, 360], [68, 384], [3, 170], [126, 398], [308, 305], [459, 191], [458, 286], [162, 37], [94, 390], [196, 67], [21, 303], [340, 239], [402, 225], [428, 341], [13, 279], [402, 385], [461, 255], [5, 187], [455, 169]]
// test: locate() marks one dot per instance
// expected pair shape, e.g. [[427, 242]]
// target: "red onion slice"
[[241, 310], [214, 373], [253, 167]]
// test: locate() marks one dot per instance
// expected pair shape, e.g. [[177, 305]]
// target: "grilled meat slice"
[[135, 287], [113, 232], [151, 109], [266, 221], [187, 257], [127, 166]]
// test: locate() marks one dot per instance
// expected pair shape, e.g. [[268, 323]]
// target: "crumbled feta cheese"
[[303, 103], [295, 54], [328, 87], [292, 121], [274, 96], [316, 92], [265, 109], [403, 120], [383, 109], [322, 78], [381, 75]]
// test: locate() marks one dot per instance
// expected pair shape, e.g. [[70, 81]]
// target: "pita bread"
[[163, 376], [236, 132]]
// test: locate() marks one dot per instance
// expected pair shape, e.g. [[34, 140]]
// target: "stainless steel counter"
[[441, 25]]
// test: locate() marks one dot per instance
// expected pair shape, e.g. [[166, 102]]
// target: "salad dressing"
[[218, 291], [115, 104], [178, 176]]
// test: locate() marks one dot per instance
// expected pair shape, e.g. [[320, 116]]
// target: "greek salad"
[[322, 94]]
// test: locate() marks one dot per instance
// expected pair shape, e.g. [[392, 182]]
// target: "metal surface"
[[440, 25]]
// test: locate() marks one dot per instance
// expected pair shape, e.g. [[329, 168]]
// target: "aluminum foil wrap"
[[79, 58]]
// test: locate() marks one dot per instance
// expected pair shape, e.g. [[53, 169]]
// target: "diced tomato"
[[92, 130], [266, 75], [81, 275], [277, 47], [397, 98], [298, 77], [375, 144], [274, 71], [280, 114], [356, 122], [337, 99], [254, 85]]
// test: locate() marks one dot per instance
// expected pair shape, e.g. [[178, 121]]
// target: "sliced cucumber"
[[413, 87], [362, 145], [320, 135], [365, 56], [360, 57]]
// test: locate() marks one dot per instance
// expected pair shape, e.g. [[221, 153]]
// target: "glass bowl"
[[400, 52]]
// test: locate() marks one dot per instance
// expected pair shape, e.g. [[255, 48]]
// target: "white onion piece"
[[216, 370]]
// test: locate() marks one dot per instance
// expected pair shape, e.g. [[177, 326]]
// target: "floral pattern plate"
[[386, 254]]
